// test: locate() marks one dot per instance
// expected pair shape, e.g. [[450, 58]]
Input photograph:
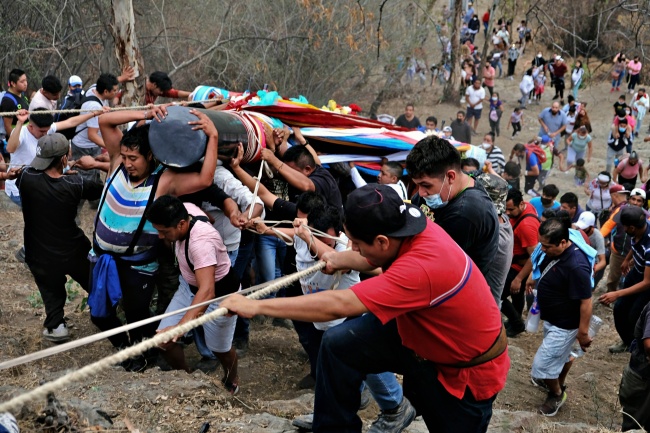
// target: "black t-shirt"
[[11, 102], [285, 210], [619, 106], [471, 221], [561, 289], [49, 210], [325, 185], [410, 124]]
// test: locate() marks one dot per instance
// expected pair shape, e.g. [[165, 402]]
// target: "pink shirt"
[[634, 67], [206, 249], [629, 171], [488, 76]]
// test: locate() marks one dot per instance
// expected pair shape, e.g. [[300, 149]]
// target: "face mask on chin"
[[546, 201], [434, 201]]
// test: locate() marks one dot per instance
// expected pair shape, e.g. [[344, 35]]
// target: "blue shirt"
[[554, 122], [537, 203], [532, 161]]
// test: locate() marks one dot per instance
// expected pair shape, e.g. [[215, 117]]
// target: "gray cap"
[[497, 189], [49, 148]]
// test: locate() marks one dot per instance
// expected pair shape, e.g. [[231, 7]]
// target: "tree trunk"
[[488, 39], [451, 93], [126, 48]]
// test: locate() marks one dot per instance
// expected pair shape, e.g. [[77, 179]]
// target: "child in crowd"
[[540, 81], [517, 121], [581, 174]]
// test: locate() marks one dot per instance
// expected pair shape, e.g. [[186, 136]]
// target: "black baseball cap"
[[376, 209]]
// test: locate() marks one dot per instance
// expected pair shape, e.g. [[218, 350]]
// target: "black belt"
[[225, 286]]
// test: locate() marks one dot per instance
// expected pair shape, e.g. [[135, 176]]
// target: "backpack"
[[533, 148], [73, 102]]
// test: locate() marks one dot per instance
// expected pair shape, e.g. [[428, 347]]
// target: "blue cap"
[[545, 139]]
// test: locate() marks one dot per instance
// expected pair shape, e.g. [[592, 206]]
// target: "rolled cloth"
[[175, 144]]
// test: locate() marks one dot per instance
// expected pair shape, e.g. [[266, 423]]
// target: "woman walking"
[[576, 78]]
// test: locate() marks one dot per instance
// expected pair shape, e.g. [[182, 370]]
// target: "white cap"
[[75, 80], [446, 129], [586, 220], [638, 191]]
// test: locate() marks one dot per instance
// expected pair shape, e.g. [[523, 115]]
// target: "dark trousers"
[[627, 309], [529, 182], [243, 261], [634, 80], [511, 67], [362, 346], [516, 127], [513, 310], [51, 278], [137, 291]]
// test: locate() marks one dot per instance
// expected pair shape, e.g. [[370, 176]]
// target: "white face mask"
[[495, 99], [539, 56], [485, 146]]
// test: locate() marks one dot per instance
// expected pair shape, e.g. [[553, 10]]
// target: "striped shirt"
[[121, 211], [641, 251], [495, 156]]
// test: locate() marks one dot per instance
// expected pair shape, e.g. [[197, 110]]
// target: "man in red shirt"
[[525, 224], [159, 84], [431, 318]]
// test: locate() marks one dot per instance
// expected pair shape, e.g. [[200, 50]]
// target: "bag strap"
[[103, 199], [523, 217], [87, 98], [143, 220], [193, 220]]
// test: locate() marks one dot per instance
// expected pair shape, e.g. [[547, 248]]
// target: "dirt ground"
[[275, 361]]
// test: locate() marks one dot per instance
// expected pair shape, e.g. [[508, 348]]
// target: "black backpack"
[[73, 102]]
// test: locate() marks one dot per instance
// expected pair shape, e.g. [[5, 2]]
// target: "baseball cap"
[[75, 80], [618, 189], [374, 205], [545, 139], [49, 148], [638, 191], [446, 129], [587, 219], [497, 189]]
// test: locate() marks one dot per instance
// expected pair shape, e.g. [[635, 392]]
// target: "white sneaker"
[[532, 193], [58, 334]]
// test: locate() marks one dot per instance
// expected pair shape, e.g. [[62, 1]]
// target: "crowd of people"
[[456, 247]]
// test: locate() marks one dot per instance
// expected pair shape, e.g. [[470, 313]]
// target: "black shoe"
[[207, 365], [515, 330], [137, 364], [394, 420], [307, 382]]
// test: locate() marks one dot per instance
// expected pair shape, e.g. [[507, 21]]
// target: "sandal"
[[232, 388]]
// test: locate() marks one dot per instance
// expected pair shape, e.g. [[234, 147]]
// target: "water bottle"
[[594, 325], [532, 323]]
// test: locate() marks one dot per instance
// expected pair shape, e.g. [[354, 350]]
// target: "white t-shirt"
[[318, 281], [81, 139], [40, 101], [24, 154], [473, 96]]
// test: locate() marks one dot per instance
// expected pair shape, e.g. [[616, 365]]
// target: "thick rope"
[[79, 110], [41, 392], [59, 348]]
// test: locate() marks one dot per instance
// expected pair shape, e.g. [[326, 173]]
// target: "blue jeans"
[[270, 258], [16, 200], [575, 89], [362, 346]]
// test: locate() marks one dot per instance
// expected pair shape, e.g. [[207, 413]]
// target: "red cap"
[[617, 188]]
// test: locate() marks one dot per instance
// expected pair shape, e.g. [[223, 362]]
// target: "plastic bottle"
[[532, 323], [594, 325]]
